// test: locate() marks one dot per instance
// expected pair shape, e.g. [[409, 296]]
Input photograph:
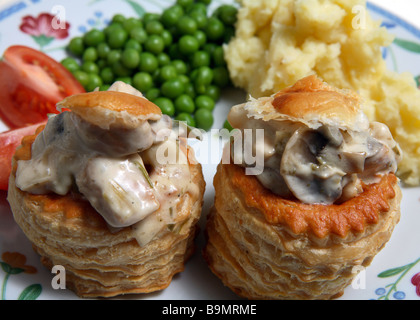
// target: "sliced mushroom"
[[308, 176], [272, 179], [384, 153]]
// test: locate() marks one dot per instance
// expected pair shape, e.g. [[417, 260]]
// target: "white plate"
[[391, 272]]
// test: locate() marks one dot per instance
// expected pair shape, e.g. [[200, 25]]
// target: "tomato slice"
[[31, 83], [9, 141]]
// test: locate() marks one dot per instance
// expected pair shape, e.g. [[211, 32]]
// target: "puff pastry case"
[[321, 204]]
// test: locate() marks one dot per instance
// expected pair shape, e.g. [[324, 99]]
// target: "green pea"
[[213, 92], [188, 44], [186, 117], [76, 46], [148, 62], [130, 58], [204, 102], [82, 77], [184, 103], [204, 119], [167, 38], [119, 18], [220, 77], [174, 52], [184, 79], [93, 82], [120, 70], [197, 7], [218, 57], [90, 67], [200, 19], [149, 16], [180, 66], [113, 56], [143, 81], [111, 27], [214, 29], [171, 15], [227, 125], [133, 44], [200, 59], [138, 34], [186, 25], [104, 87], [131, 23], [184, 3], [163, 59], [210, 48], [166, 105], [126, 80], [201, 37], [117, 38], [90, 54], [167, 73], [107, 75], [93, 37], [156, 77], [172, 88], [103, 49], [229, 34], [227, 14], [70, 64], [101, 63], [152, 94], [154, 44], [204, 76], [154, 27], [190, 90]]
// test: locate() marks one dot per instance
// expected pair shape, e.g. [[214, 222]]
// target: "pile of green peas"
[[174, 58]]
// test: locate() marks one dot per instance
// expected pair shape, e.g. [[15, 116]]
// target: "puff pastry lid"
[[312, 102], [112, 108]]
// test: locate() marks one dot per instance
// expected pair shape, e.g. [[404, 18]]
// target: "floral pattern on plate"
[[391, 289], [14, 263]]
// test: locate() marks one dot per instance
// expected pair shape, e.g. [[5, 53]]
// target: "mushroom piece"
[[384, 153], [272, 179], [309, 177]]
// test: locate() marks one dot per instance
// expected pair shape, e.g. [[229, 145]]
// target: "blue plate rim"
[[16, 7], [389, 15]]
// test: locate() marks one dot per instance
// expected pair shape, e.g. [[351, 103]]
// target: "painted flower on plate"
[[44, 28], [14, 263], [17, 262], [415, 280]]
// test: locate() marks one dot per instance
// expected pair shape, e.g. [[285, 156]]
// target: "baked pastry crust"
[[264, 246], [99, 261], [309, 101], [293, 253], [111, 108]]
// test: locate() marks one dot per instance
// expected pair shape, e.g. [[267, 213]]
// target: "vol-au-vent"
[[325, 204]]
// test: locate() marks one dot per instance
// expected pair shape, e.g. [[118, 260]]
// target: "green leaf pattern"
[[32, 292], [408, 45], [401, 272]]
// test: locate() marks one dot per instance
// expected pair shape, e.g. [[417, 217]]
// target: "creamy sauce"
[[323, 165], [121, 172], [166, 170]]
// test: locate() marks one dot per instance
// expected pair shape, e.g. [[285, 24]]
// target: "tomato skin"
[[31, 83], [9, 141]]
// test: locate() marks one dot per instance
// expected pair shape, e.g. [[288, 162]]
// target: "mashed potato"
[[278, 42]]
